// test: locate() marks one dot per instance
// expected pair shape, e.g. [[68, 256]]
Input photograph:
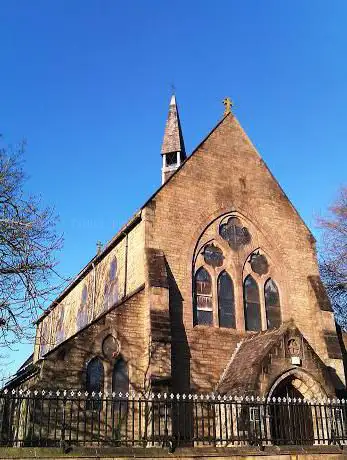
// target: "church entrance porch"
[[289, 423], [301, 413]]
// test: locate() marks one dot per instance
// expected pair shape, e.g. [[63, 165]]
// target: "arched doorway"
[[290, 423]]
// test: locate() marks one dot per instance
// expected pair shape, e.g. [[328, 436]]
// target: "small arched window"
[[95, 376], [203, 297], [226, 301], [120, 384], [120, 377], [272, 304], [251, 305], [94, 381]]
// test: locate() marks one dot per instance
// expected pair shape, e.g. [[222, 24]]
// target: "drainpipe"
[[94, 290], [126, 264]]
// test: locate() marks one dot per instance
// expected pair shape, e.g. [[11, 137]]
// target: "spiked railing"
[[68, 418]]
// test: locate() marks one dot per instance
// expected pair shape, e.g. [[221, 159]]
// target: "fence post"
[[63, 421]]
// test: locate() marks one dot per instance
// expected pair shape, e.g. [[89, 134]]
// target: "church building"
[[212, 286]]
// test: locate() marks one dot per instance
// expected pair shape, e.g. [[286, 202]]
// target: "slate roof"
[[173, 138], [26, 370], [243, 368]]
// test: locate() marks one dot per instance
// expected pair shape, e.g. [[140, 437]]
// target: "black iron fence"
[[63, 418]]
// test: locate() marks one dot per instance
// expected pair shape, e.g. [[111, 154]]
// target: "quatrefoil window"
[[234, 233], [259, 263], [213, 255]]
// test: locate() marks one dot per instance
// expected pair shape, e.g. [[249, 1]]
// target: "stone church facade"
[[212, 286]]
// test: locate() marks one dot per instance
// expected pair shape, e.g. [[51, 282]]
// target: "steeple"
[[172, 150]]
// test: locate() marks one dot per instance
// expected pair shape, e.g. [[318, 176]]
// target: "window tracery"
[[234, 233], [213, 255], [216, 299], [259, 263]]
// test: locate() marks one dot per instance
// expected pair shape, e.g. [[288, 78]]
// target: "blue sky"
[[87, 83]]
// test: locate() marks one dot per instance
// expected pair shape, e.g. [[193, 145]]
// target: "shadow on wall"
[[342, 338], [320, 292], [180, 353], [184, 369]]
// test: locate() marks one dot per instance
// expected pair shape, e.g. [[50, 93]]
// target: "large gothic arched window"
[[226, 301], [203, 297], [251, 305], [272, 304]]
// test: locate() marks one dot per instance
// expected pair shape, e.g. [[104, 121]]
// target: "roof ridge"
[[238, 345], [257, 334]]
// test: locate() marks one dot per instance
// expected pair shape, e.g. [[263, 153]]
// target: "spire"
[[172, 150]]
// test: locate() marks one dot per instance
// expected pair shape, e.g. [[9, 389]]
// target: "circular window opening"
[[110, 347]]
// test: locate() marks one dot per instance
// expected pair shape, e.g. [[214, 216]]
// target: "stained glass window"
[[94, 382], [203, 297], [111, 286], [44, 340], [272, 304], [113, 269], [60, 330], [251, 305], [226, 301], [82, 314]]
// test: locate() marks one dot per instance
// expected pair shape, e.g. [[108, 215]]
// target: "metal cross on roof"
[[99, 246], [228, 104]]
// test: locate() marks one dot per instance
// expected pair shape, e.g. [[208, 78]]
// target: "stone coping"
[[182, 452]]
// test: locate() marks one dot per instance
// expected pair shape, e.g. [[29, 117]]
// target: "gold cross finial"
[[228, 104]]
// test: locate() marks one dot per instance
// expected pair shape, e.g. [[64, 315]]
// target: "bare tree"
[[28, 245], [333, 260]]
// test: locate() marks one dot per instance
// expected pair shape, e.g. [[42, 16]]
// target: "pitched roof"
[[173, 138], [242, 369], [26, 370]]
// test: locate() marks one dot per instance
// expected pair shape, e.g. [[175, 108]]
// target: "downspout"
[[126, 264], [94, 290]]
